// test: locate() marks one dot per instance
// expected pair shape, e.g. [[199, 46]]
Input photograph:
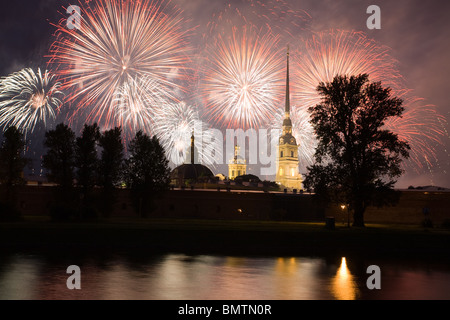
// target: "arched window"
[[281, 154], [292, 153]]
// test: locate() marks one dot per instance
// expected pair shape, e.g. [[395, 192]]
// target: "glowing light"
[[287, 266], [343, 286]]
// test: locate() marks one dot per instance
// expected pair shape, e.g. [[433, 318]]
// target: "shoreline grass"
[[225, 237]]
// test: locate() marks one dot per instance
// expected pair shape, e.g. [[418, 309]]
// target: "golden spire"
[[287, 105], [192, 147]]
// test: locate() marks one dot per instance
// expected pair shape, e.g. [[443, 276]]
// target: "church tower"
[[191, 152], [287, 154], [237, 165]]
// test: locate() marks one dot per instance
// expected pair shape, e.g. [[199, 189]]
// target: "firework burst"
[[119, 44], [174, 125], [28, 98], [422, 126], [243, 87], [328, 54], [136, 103], [303, 132], [275, 16]]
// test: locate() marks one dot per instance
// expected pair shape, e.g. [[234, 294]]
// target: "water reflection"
[[203, 277], [343, 285], [16, 275], [300, 278]]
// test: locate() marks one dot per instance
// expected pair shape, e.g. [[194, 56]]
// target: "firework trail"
[[174, 124], [328, 54], [274, 16], [28, 98], [243, 87], [119, 44], [303, 132], [422, 126]]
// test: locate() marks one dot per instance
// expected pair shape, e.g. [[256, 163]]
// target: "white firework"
[[28, 98], [174, 125], [243, 85], [136, 103], [303, 132]]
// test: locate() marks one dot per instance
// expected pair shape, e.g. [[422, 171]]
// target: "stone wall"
[[214, 204]]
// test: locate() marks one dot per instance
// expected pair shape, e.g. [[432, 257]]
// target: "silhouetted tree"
[[110, 166], [60, 157], [86, 159], [12, 163], [87, 163], [111, 159], [147, 171], [59, 161], [357, 159]]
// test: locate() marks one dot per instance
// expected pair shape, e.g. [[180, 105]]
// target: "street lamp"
[[343, 206]]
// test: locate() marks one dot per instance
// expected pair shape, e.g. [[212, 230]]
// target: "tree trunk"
[[358, 217]]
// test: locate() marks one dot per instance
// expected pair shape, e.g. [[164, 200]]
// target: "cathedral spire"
[[287, 105], [192, 147]]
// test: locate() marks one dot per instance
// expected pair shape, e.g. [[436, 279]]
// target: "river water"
[[203, 277]]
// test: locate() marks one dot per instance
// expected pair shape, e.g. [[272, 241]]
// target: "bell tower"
[[287, 154], [237, 166]]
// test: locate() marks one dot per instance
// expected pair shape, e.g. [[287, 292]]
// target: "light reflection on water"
[[177, 276], [343, 285]]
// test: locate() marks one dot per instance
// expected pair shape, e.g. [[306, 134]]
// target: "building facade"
[[237, 166]]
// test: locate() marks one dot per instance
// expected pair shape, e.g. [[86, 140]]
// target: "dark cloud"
[[26, 33]]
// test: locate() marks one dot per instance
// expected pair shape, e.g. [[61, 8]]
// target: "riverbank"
[[230, 237]]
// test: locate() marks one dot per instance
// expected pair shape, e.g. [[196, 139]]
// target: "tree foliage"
[[12, 161], [147, 170], [60, 157], [86, 159], [357, 160], [111, 159], [110, 167]]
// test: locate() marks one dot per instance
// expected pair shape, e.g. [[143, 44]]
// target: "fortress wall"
[[212, 204]]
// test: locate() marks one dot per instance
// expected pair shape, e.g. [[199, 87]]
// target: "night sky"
[[417, 33]]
